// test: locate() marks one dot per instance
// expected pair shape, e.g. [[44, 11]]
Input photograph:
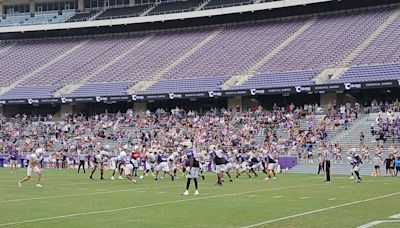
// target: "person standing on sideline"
[[327, 164], [81, 157]]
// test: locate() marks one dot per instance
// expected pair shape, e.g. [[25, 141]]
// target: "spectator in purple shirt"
[[13, 157]]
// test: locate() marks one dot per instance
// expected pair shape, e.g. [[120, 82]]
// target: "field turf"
[[68, 199]]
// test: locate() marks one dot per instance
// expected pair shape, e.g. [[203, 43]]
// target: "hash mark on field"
[[204, 194], [276, 197], [332, 199], [142, 191], [252, 195], [303, 198], [161, 192], [343, 187], [395, 216]]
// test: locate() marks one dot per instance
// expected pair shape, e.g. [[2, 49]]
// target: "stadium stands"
[[371, 73], [146, 60], [123, 12], [39, 18], [384, 49], [83, 16], [81, 62], [26, 92], [226, 3], [101, 89], [234, 49], [30, 56], [326, 42], [227, 51], [175, 7], [279, 79], [186, 85]]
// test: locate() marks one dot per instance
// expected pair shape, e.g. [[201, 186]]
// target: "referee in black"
[[327, 164]]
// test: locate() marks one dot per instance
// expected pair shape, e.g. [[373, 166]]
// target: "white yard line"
[[151, 205], [277, 197], [303, 198], [374, 223], [81, 194], [332, 199], [320, 210]]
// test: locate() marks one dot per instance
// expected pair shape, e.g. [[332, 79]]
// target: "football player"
[[98, 163], [271, 165], [34, 165], [150, 159], [163, 165], [192, 168]]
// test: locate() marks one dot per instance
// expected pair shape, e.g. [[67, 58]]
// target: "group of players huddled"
[[157, 162]]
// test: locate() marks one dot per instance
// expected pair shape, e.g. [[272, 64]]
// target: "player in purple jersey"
[[13, 158], [162, 160], [241, 164], [192, 169]]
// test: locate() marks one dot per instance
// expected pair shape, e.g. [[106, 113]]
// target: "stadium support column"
[[32, 7], [1, 8], [325, 98], [131, 2], [235, 104], [139, 107], [81, 5]]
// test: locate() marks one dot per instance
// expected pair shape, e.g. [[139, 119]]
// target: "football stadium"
[[199, 113]]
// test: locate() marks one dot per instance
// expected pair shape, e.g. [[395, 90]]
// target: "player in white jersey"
[[98, 163], [119, 165], [34, 165], [172, 159], [129, 168], [150, 159]]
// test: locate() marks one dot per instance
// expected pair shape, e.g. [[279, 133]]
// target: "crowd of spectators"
[[287, 130]]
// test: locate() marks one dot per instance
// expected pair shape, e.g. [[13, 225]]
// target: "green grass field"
[[70, 200]]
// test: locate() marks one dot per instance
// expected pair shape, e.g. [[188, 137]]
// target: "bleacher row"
[[122, 11], [202, 59]]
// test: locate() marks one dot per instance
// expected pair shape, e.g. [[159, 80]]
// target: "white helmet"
[[122, 154], [213, 147], [39, 151], [125, 147], [186, 143], [107, 147], [136, 147], [104, 153]]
